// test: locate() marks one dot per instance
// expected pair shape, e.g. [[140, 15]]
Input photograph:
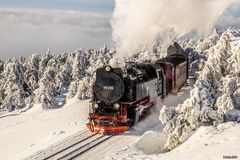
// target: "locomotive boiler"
[[123, 96]]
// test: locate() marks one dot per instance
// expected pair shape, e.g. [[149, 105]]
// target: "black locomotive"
[[123, 96]]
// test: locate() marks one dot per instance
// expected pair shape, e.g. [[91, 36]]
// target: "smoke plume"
[[137, 23]]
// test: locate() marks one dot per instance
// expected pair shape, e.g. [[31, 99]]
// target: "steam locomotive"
[[123, 96]]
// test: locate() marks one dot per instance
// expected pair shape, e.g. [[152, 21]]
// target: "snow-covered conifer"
[[45, 93], [73, 89], [84, 88], [13, 87], [31, 74], [1, 66], [79, 65], [63, 78], [44, 62]]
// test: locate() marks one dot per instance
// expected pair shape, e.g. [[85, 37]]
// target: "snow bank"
[[152, 142], [207, 142], [214, 92]]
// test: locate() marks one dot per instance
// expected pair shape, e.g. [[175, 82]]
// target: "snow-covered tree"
[[204, 44], [73, 89], [234, 61], [85, 88], [79, 65], [44, 63], [1, 66], [31, 72], [13, 88], [45, 93], [63, 78]]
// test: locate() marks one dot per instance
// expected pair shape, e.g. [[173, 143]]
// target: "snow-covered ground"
[[212, 143], [36, 129]]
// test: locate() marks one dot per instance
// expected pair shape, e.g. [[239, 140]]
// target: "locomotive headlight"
[[107, 68], [116, 106], [95, 106]]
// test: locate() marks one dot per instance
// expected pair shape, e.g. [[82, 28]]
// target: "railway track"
[[71, 147]]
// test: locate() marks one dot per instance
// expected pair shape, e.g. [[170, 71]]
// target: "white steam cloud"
[[137, 23]]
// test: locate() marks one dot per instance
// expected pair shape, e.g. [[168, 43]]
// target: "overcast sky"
[[82, 5], [34, 26]]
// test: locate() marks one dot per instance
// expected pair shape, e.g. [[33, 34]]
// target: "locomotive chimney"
[[116, 63]]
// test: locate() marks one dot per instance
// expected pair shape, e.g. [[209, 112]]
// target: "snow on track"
[[62, 145], [102, 150], [86, 145], [71, 147]]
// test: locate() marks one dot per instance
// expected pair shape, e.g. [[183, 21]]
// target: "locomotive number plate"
[[108, 87]]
